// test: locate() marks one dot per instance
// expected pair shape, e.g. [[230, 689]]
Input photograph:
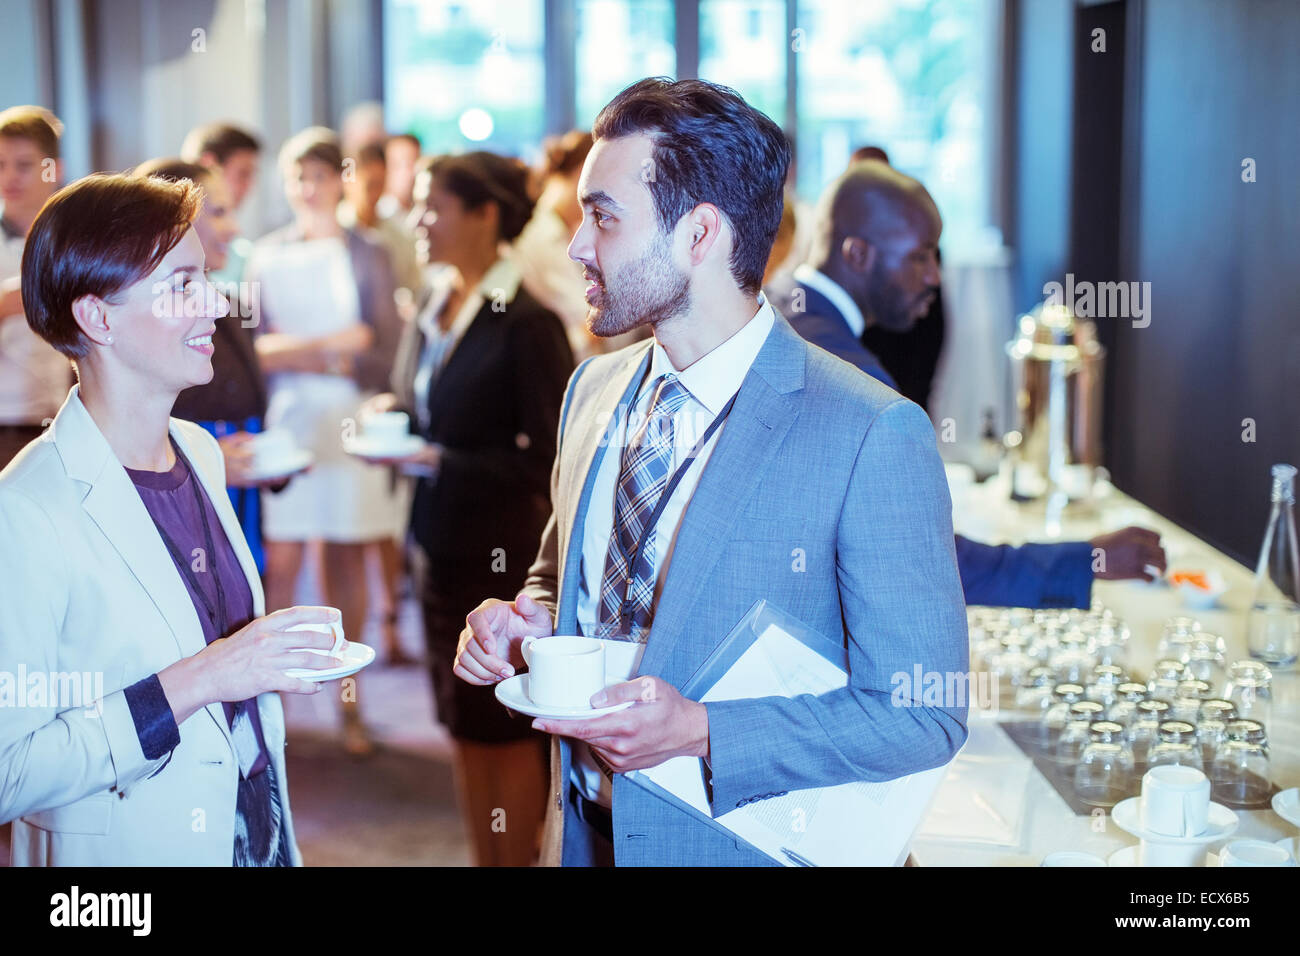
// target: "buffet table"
[[994, 807]]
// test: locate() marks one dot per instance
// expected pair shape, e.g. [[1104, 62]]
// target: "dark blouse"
[[169, 498]]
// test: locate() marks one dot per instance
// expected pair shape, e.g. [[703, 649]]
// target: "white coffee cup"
[[386, 428], [564, 671], [271, 447], [1175, 801], [333, 627], [1255, 853], [1154, 853]]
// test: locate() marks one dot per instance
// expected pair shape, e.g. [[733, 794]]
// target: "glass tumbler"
[[1104, 775], [1239, 775], [1177, 746]]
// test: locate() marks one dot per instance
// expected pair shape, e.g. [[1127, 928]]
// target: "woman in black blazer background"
[[481, 371]]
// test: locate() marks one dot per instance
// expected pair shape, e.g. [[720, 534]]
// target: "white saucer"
[[1286, 804], [288, 465], [1291, 845], [355, 656], [1222, 823], [364, 446], [1129, 857], [513, 692]]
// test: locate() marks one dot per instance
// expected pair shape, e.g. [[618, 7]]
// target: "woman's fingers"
[[316, 662], [306, 614]]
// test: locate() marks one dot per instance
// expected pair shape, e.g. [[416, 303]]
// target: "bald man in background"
[[873, 263]]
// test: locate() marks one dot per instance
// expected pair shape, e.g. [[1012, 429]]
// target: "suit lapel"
[[592, 439], [115, 506], [734, 473], [113, 503]]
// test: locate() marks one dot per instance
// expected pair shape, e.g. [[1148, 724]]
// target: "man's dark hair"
[[222, 140], [709, 146]]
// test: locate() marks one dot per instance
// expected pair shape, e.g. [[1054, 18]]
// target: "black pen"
[[796, 858]]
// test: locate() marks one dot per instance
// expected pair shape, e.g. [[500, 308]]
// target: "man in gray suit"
[[812, 486]]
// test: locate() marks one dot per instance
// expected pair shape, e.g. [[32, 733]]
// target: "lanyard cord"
[[625, 608]]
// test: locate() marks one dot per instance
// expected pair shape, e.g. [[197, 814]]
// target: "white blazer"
[[87, 586]]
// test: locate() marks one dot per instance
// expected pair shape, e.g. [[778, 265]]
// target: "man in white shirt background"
[[34, 377]]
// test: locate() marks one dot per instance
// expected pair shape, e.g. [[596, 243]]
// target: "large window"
[[466, 74], [912, 76], [742, 45], [617, 42]]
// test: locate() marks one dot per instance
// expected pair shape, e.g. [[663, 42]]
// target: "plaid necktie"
[[647, 459]]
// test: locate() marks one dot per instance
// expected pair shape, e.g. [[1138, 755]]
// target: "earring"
[[108, 338]]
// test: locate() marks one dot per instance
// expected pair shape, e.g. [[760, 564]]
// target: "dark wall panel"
[[1219, 83]]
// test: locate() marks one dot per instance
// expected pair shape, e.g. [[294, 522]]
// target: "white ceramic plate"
[[1286, 804], [1129, 857], [355, 656], [513, 692], [365, 447], [289, 465], [1222, 823]]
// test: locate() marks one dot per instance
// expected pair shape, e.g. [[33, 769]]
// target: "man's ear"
[[704, 225], [92, 317], [859, 255]]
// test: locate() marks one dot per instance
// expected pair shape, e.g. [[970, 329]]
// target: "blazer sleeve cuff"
[[733, 760], [152, 718], [1070, 583]]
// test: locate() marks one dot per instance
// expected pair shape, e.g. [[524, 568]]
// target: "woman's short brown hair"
[[96, 237]]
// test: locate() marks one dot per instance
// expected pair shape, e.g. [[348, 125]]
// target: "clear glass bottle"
[[1177, 746], [1104, 775], [1273, 629], [1239, 775], [1127, 697]]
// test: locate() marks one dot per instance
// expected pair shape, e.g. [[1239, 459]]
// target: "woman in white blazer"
[[139, 717]]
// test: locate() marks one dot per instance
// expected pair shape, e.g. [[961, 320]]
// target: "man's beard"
[[893, 311], [649, 290]]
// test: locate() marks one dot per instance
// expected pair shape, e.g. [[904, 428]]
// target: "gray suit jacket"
[[825, 495]]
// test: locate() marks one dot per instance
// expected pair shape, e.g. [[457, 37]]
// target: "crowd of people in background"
[[442, 286]]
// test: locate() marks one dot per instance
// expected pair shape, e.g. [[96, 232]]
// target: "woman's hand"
[[377, 405], [251, 661]]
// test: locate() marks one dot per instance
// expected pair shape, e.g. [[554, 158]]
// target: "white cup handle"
[[526, 648]]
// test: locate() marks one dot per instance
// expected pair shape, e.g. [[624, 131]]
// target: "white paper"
[[852, 824], [982, 799]]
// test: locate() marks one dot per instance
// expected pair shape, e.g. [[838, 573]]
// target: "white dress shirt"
[[711, 381], [34, 375], [828, 287]]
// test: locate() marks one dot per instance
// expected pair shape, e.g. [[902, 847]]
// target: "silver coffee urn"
[[1057, 366]]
